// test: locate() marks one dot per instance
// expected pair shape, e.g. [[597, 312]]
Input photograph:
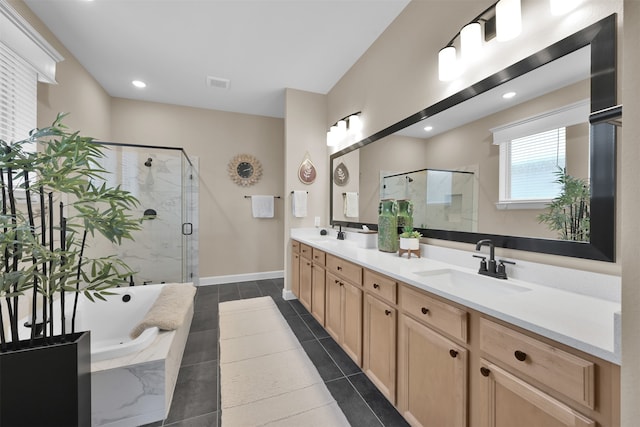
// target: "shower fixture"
[[148, 162]]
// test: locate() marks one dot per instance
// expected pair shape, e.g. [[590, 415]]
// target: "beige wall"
[[630, 224], [305, 114], [231, 240], [397, 76]]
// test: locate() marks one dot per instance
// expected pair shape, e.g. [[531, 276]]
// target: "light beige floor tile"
[[279, 407], [267, 376], [326, 416], [249, 346]]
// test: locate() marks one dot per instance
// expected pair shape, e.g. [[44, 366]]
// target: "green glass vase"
[[388, 225], [405, 213]]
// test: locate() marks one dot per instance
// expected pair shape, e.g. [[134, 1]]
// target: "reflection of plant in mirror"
[[568, 214], [410, 233]]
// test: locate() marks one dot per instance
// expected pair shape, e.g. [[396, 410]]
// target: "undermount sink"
[[457, 280]]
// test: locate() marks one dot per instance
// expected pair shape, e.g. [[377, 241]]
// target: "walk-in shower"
[[164, 180]]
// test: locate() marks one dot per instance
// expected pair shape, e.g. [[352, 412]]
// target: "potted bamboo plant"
[[54, 202], [569, 213]]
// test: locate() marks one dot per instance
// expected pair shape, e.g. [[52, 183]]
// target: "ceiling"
[[260, 46]]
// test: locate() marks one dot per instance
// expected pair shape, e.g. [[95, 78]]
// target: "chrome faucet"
[[491, 268]]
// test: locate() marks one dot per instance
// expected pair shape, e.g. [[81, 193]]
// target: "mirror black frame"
[[602, 38]]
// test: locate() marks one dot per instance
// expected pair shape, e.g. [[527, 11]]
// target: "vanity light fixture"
[[347, 127], [139, 84], [428, 128], [502, 20], [509, 95]]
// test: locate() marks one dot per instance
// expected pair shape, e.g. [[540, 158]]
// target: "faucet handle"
[[483, 263], [504, 261], [502, 271]]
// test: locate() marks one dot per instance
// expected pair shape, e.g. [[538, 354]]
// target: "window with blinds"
[[18, 97], [532, 165]]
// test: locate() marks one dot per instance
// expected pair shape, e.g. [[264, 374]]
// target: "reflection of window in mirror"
[[533, 152]]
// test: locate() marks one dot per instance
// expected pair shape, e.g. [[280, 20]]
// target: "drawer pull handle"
[[341, 284], [520, 355], [453, 353], [339, 268], [387, 312], [425, 310], [485, 371], [376, 286]]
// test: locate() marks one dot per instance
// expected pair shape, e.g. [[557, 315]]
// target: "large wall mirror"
[[470, 164]]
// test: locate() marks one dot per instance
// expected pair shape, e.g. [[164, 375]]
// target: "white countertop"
[[581, 321]]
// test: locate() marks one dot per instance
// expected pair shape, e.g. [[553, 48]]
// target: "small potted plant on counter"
[[410, 239]]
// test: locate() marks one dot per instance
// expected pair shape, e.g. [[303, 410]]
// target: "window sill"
[[522, 204]]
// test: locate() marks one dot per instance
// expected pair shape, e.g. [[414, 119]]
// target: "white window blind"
[[533, 165], [18, 96]]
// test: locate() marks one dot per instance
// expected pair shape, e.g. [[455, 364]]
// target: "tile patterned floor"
[[196, 398]]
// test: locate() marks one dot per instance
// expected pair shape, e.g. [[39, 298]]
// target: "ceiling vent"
[[217, 82]]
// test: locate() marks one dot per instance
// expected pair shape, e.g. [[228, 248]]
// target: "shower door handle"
[[187, 229]]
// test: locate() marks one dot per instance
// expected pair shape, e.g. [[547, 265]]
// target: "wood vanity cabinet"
[[305, 276], [295, 268], [432, 368], [318, 285], [343, 305], [379, 332]]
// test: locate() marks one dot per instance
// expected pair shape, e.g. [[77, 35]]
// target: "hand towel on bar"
[[299, 204], [262, 206], [351, 204]]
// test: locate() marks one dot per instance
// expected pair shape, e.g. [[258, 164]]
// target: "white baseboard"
[[236, 278], [288, 295]]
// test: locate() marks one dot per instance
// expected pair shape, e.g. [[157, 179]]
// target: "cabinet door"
[[333, 306], [509, 401], [432, 377], [295, 274], [305, 283], [352, 321], [318, 293], [379, 345]]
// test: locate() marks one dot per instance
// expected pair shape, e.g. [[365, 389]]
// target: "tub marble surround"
[[573, 307], [145, 381]]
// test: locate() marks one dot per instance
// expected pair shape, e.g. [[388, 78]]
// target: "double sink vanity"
[[450, 347]]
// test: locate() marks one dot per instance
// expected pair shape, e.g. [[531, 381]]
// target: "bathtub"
[[111, 321], [132, 381]]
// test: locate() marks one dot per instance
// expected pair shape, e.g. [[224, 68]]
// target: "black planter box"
[[47, 385]]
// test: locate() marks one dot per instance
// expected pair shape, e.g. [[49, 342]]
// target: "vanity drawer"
[[305, 250], [345, 269], [318, 256], [430, 311], [555, 368], [295, 246], [379, 285]]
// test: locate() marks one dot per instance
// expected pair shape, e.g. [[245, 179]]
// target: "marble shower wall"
[[161, 179]]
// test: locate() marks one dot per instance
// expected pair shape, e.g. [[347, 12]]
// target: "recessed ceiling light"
[[509, 95], [139, 84], [428, 128]]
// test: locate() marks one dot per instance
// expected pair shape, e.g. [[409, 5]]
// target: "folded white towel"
[[262, 206], [351, 204], [299, 204]]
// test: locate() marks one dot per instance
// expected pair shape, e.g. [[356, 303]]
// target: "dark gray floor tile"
[[201, 347], [207, 289], [323, 363], [298, 307], [228, 292], [156, 424], [300, 329], [208, 420], [285, 308], [249, 290], [354, 408], [203, 320], [205, 301], [268, 288], [195, 393], [377, 402], [342, 359], [315, 326]]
